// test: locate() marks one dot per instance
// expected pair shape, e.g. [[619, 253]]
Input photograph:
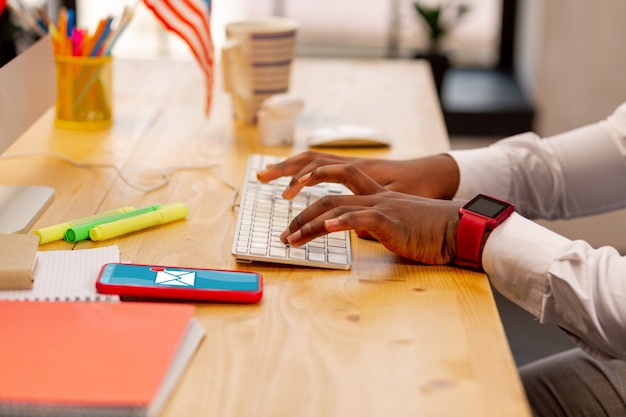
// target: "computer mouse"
[[347, 136]]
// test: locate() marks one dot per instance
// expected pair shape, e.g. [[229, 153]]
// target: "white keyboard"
[[264, 215]]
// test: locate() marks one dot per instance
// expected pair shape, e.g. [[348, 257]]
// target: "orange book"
[[79, 358]]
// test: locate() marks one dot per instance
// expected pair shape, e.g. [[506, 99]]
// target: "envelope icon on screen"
[[179, 278]]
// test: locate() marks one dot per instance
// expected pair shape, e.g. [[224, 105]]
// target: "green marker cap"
[[81, 232], [57, 231]]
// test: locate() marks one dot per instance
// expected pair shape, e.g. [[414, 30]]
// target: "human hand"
[[414, 227], [434, 176]]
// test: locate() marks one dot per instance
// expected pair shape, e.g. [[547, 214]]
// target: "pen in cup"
[[57, 231], [165, 214], [81, 231]]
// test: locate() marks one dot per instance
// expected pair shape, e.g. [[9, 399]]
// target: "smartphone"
[[179, 283]]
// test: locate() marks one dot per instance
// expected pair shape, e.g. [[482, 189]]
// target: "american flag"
[[190, 19]]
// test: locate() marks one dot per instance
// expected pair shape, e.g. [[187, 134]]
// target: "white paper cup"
[[256, 62]]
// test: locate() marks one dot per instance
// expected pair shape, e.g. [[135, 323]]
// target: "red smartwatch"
[[481, 214]]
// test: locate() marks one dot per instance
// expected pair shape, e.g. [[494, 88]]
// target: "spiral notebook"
[[67, 275]]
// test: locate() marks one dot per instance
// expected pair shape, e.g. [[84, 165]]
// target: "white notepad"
[[67, 275]]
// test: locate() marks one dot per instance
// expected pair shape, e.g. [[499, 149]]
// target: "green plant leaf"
[[433, 18]]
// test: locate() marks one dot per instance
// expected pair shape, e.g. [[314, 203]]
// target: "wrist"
[[482, 246], [450, 241], [451, 175], [477, 219], [439, 176]]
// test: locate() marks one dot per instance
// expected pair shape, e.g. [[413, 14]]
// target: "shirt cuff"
[[517, 257], [482, 170]]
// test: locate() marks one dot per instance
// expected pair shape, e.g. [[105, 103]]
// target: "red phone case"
[[181, 293]]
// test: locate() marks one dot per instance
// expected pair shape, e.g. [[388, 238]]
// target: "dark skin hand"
[[414, 227], [434, 176]]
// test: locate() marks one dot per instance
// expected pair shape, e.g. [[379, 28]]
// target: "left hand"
[[435, 176], [414, 227]]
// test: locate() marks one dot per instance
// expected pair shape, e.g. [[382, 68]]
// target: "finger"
[[298, 166], [326, 207], [372, 224], [295, 185], [302, 233], [365, 235], [290, 166], [363, 220], [347, 174]]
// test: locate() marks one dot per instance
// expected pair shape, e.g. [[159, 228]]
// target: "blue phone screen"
[[157, 276]]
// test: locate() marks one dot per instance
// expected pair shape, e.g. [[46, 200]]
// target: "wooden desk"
[[388, 338]]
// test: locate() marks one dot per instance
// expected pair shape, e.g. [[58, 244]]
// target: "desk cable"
[[165, 173]]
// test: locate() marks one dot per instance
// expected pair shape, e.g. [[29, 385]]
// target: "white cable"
[[165, 173], [220, 171]]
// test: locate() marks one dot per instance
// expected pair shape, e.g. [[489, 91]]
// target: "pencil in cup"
[[84, 92]]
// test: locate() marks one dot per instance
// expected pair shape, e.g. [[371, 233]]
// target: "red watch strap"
[[469, 237]]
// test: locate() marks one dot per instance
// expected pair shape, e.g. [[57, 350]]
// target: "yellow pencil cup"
[[84, 92]]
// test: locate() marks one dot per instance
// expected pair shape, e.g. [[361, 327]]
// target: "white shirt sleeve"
[[581, 289]]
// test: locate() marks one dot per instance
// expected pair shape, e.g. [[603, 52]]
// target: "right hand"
[[434, 176], [414, 227]]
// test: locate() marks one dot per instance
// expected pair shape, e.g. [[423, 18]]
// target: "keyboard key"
[[297, 253]]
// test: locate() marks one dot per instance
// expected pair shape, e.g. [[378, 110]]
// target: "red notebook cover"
[[75, 354]]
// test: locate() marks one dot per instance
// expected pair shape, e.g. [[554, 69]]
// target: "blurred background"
[[510, 66], [563, 55]]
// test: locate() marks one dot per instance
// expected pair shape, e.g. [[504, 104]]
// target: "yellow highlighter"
[[165, 214], [57, 232]]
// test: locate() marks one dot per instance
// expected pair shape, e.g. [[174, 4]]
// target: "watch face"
[[486, 206]]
